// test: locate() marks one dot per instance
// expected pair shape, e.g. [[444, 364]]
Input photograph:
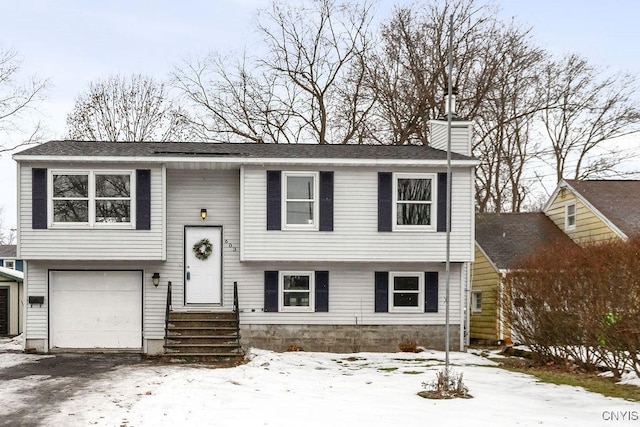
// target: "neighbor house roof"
[[617, 200], [507, 238], [8, 251], [159, 150], [11, 274]]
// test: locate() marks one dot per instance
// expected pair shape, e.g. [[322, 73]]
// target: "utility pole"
[[448, 228]]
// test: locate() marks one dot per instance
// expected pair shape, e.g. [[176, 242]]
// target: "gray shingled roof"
[[618, 200], [508, 238], [8, 251], [248, 150]]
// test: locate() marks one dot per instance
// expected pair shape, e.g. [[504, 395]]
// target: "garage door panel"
[[96, 309]]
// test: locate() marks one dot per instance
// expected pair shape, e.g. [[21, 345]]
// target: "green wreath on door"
[[202, 249]]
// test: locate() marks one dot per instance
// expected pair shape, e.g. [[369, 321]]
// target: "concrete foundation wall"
[[347, 338], [153, 347], [34, 345]]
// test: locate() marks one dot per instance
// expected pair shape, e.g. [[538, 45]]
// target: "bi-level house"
[[327, 247]]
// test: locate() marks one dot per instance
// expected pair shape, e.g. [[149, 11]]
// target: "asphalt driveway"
[[59, 377]]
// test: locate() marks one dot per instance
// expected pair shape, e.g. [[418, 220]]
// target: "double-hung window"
[[406, 292], [414, 196], [570, 216], [297, 291], [92, 198], [9, 264], [113, 198], [476, 301], [300, 201]]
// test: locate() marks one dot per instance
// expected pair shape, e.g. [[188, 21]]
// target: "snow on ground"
[[14, 344], [323, 389]]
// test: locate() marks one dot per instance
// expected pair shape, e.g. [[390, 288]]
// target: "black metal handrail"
[[166, 314], [236, 308]]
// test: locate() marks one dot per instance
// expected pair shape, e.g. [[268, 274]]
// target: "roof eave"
[[246, 160], [564, 184]]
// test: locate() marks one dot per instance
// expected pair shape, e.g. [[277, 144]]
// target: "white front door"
[[203, 265]]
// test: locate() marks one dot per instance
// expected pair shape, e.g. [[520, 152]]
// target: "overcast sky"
[[74, 42]]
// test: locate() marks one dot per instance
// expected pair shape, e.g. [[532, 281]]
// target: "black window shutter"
[[385, 201], [322, 291], [19, 265], [38, 199], [431, 292], [326, 201], [442, 202], [274, 203], [382, 292], [143, 199], [271, 291]]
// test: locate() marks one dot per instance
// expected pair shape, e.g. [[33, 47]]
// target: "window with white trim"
[[296, 291], [570, 216], [414, 201], [300, 201], [476, 301], [92, 198], [10, 264], [406, 292]]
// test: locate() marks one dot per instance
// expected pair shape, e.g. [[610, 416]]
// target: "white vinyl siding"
[[351, 284], [351, 295], [99, 243], [188, 192], [36, 279], [356, 236], [460, 136]]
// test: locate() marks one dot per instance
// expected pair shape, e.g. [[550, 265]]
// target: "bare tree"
[[586, 108], [504, 142], [130, 109], [17, 102], [496, 67], [7, 235], [307, 87]]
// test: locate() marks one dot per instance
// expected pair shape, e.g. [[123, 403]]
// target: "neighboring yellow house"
[[578, 211], [502, 240], [596, 210]]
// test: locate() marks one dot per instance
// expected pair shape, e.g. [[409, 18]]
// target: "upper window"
[[570, 216], [406, 292], [296, 291], [10, 264], [414, 196], [92, 198], [300, 201]]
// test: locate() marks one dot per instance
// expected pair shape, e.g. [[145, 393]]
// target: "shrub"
[[408, 346], [578, 303], [447, 385]]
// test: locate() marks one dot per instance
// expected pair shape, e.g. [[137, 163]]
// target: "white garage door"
[[96, 309]]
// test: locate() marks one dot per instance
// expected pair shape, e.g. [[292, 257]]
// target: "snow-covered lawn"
[[318, 389]]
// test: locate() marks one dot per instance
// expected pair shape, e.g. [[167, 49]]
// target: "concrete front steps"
[[203, 337]]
